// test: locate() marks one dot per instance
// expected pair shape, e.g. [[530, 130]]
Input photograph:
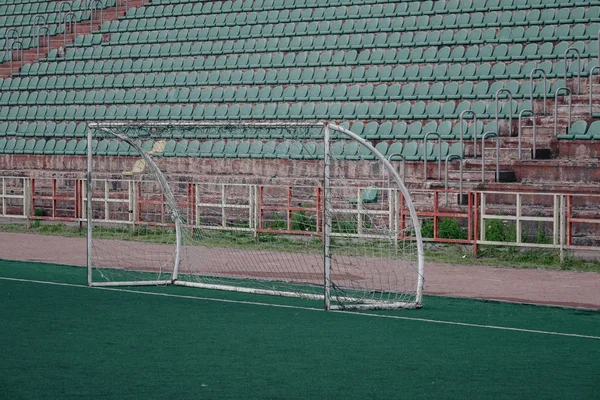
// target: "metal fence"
[[562, 221]]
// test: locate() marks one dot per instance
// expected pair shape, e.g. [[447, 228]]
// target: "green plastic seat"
[[593, 131], [578, 130]]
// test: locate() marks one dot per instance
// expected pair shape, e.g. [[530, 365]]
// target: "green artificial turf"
[[62, 342]]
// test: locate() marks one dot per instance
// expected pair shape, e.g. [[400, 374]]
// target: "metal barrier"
[[15, 195], [62, 196], [218, 198], [543, 211], [580, 212], [559, 221]]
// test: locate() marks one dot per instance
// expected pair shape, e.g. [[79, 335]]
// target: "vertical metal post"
[[562, 228], [326, 220], [555, 219], [482, 206], [597, 67], [89, 213], [518, 216]]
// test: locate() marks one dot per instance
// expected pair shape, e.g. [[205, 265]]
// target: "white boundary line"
[[255, 303]]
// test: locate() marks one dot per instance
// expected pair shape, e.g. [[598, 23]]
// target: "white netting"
[[259, 228]]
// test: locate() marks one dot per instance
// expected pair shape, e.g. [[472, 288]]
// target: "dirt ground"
[[538, 286]]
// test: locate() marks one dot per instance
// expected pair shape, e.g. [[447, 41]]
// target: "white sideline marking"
[[432, 321]]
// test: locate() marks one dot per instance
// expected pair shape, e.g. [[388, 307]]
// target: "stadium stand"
[[391, 71]]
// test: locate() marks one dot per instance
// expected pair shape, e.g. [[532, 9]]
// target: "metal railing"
[[15, 195], [497, 103], [44, 33], [578, 54], [595, 68], [559, 221], [521, 115], [426, 155], [69, 20], [483, 138], [18, 46], [402, 166], [568, 93], [95, 6], [533, 71]]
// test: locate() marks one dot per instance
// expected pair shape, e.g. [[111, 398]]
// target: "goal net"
[[302, 210]]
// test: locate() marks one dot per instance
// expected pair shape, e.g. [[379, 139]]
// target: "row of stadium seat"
[[447, 130], [279, 51], [346, 40], [11, 2], [580, 130], [195, 27], [259, 111], [25, 22], [149, 63], [29, 8], [285, 76], [410, 151], [339, 9], [382, 92]]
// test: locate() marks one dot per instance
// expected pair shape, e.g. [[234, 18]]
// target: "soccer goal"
[[303, 210]]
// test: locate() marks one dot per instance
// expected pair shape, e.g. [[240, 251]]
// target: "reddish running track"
[[537, 286]]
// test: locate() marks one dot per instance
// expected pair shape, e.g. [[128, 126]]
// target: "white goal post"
[[307, 210]]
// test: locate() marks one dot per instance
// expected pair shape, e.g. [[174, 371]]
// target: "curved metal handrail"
[[18, 45], [485, 136], [62, 4], [46, 30], [439, 160], [71, 19], [531, 87], [460, 121], [452, 157], [402, 166], [8, 37], [521, 131], [560, 89], [578, 66], [597, 67], [496, 101], [96, 5]]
